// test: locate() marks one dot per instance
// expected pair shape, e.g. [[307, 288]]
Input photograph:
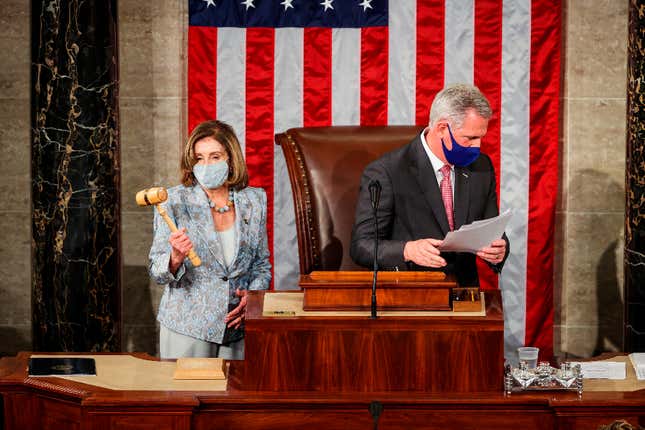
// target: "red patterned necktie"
[[446, 195]]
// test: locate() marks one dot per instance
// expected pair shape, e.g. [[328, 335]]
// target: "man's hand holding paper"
[[494, 253], [481, 238]]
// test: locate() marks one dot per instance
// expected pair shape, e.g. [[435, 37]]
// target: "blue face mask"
[[211, 176], [459, 155]]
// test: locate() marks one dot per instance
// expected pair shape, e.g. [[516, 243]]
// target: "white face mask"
[[211, 176]]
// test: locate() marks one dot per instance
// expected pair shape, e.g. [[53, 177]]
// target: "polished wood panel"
[[359, 298], [420, 279], [56, 414], [21, 410], [352, 290], [150, 420], [391, 418], [461, 418], [280, 419], [358, 354]]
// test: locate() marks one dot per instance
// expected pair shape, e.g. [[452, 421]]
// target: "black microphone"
[[375, 195]]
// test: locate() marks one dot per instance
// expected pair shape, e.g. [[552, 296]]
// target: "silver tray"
[[543, 378]]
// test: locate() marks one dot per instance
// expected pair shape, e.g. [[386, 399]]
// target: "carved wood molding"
[[65, 390]]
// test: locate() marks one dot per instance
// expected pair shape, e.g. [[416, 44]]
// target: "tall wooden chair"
[[325, 165]]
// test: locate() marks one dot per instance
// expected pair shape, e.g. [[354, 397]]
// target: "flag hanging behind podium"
[[268, 65]]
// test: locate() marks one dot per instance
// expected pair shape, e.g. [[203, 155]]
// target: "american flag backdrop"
[[268, 65]]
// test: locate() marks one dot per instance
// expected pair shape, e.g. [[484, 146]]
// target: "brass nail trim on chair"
[[308, 204]]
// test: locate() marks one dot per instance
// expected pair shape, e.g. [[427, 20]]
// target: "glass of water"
[[528, 354]]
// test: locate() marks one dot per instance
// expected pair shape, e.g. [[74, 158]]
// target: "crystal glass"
[[523, 375], [565, 375]]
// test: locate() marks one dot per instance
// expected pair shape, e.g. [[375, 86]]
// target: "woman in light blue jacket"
[[201, 313]]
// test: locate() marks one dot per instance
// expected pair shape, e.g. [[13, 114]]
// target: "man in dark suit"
[[435, 184]]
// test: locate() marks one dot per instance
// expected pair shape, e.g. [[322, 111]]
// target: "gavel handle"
[[192, 255]]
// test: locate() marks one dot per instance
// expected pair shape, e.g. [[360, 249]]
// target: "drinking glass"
[[529, 354]]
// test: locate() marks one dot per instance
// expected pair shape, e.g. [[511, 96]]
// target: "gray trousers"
[[176, 345]]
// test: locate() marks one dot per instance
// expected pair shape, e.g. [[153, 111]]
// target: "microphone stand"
[[375, 194], [375, 268]]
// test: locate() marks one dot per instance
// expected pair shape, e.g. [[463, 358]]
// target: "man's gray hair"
[[453, 102]]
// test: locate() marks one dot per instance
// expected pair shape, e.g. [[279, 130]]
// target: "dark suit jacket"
[[411, 208]]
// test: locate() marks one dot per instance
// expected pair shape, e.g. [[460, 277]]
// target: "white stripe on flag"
[[345, 76], [231, 80], [289, 60], [514, 155], [402, 62], [459, 47]]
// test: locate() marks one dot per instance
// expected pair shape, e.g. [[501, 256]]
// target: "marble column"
[[75, 176], [635, 182]]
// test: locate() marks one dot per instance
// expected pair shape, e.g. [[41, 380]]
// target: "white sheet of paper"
[[472, 237], [602, 369], [638, 361]]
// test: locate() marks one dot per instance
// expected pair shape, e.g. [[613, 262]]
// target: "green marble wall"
[[75, 176], [635, 182]]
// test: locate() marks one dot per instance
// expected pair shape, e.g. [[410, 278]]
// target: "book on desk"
[[54, 366], [200, 368]]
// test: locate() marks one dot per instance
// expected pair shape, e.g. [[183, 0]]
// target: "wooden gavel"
[[155, 196]]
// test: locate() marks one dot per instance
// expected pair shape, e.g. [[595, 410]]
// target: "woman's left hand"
[[236, 316]]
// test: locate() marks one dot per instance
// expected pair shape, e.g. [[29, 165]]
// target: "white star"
[[366, 4], [287, 4], [209, 3], [248, 4], [327, 4]]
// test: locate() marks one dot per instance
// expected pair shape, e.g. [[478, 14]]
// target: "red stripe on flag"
[[317, 77], [202, 74], [543, 176], [374, 72], [430, 55], [488, 77], [259, 116]]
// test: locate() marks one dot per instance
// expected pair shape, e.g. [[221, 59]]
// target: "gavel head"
[[151, 196]]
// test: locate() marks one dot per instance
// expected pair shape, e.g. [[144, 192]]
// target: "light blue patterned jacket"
[[196, 300]]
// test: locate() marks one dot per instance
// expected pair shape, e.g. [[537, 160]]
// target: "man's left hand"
[[236, 316], [494, 253]]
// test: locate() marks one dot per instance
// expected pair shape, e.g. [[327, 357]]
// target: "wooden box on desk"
[[335, 352], [352, 290]]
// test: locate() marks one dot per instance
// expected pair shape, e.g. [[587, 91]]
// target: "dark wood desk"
[[341, 352], [56, 403]]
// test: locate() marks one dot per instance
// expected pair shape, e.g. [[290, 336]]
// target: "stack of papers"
[[638, 361], [602, 369], [479, 234]]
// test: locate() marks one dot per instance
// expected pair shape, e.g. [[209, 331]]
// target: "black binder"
[[61, 366]]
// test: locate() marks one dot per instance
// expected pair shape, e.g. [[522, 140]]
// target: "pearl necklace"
[[227, 207]]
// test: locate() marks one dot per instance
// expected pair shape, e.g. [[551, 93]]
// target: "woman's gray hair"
[[454, 101]]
